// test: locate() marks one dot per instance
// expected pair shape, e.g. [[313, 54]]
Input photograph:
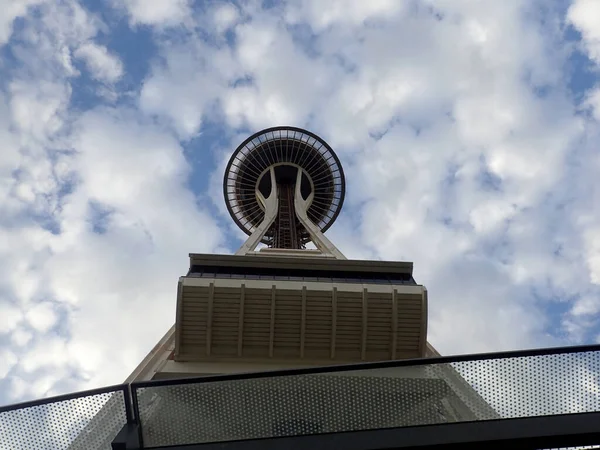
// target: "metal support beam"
[[270, 205], [319, 239]]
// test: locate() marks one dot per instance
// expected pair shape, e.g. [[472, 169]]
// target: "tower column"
[[270, 206], [321, 242]]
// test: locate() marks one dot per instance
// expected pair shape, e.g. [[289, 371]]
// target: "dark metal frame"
[[61, 398], [336, 208], [521, 433], [124, 440]]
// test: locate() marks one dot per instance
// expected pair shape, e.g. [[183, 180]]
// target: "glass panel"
[[83, 423], [301, 404]]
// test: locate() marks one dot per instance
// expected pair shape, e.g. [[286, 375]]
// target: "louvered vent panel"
[[257, 322], [379, 326], [225, 321], [194, 319], [410, 314], [317, 342], [349, 325], [288, 318]]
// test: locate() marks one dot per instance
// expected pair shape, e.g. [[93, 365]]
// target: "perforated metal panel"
[[369, 399], [83, 423], [284, 406], [537, 385]]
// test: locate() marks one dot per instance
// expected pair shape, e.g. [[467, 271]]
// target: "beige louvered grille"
[[194, 316], [288, 323], [379, 320], [225, 320], [409, 330], [348, 338], [257, 323], [318, 324]]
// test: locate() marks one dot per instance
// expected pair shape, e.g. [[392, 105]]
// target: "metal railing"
[[80, 421], [310, 402]]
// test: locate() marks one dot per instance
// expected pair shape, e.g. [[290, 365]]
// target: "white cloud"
[[157, 12], [9, 12], [42, 316], [7, 361], [10, 316], [38, 107], [225, 16], [592, 239], [587, 305], [593, 102], [103, 65], [185, 84], [21, 337], [49, 352], [354, 12], [585, 16]]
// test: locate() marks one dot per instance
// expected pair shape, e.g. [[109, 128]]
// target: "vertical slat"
[[423, 337], [209, 314], [178, 317], [333, 321], [303, 322], [394, 323], [272, 331], [363, 354], [241, 320]]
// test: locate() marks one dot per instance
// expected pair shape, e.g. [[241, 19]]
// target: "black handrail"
[[72, 396]]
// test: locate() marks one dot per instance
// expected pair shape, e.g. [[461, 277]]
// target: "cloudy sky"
[[468, 131]]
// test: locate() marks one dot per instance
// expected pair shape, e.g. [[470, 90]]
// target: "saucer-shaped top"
[[287, 149]]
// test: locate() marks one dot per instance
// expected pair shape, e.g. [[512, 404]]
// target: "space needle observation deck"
[[284, 187]]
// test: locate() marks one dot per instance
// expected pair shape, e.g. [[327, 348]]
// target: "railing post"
[[130, 437], [127, 439], [136, 414]]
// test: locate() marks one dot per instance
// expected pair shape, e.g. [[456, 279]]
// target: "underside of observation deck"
[[286, 150]]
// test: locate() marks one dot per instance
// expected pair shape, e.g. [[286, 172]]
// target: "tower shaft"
[[286, 226]]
